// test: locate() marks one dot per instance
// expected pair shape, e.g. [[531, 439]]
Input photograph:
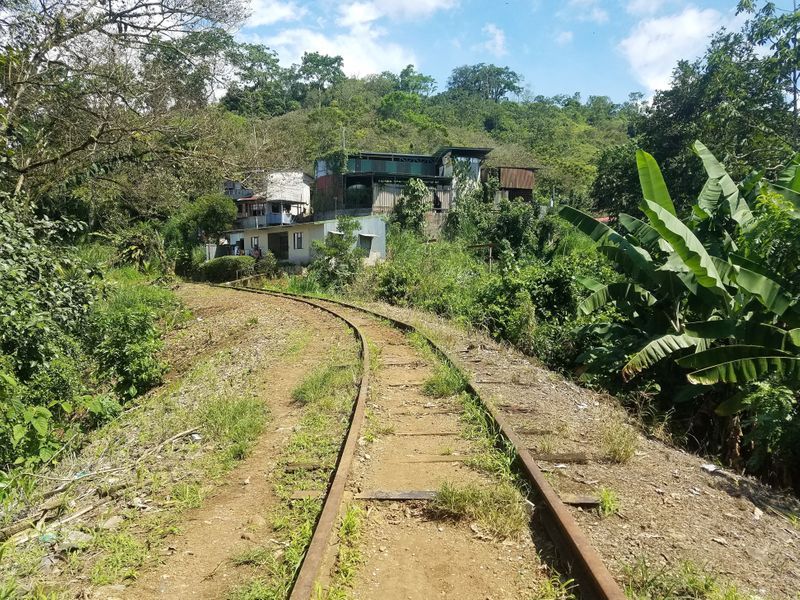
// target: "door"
[[278, 244]]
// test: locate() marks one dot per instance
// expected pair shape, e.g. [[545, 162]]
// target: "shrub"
[[226, 268], [267, 265], [338, 260]]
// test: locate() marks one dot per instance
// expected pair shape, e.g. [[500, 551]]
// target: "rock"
[[247, 536], [73, 540], [112, 523], [757, 513], [720, 541], [257, 521]]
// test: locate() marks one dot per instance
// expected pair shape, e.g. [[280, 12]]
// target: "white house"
[[276, 198], [293, 242]]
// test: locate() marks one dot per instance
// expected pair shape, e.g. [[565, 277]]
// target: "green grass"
[[500, 510], [445, 382], [258, 557], [234, 424], [319, 382], [187, 494], [123, 555], [349, 554], [642, 581], [555, 588], [609, 502]]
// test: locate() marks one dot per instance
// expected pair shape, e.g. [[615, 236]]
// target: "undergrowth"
[[643, 581]]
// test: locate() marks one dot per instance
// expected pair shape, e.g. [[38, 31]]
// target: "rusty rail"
[[586, 565]]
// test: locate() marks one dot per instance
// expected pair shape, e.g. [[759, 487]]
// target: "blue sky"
[[595, 47]]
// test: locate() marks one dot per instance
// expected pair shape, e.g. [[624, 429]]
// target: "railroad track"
[[585, 565]]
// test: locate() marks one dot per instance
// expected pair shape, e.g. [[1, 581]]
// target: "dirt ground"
[[672, 509]]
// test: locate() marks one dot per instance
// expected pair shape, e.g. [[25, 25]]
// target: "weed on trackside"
[[215, 398], [348, 556], [327, 395], [609, 502], [619, 441], [643, 581], [499, 510]]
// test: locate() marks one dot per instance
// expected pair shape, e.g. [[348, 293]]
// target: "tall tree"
[[415, 82], [488, 81], [321, 71]]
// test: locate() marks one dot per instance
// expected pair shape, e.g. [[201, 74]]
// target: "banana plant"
[[689, 295]]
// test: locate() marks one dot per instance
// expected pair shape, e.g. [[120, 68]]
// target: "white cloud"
[[366, 11], [363, 48], [654, 46], [268, 12], [585, 10], [495, 40], [564, 37]]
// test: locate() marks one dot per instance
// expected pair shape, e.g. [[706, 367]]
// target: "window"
[[276, 208], [297, 240], [254, 241], [365, 243]]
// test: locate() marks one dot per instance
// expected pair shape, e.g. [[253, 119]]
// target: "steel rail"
[[586, 566]]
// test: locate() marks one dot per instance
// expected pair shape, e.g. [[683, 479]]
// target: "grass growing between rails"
[[642, 581], [327, 395]]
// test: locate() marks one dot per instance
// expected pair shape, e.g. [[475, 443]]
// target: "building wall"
[[373, 225], [288, 185]]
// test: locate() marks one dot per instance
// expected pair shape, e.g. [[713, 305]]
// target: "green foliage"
[[125, 336], [409, 212], [226, 268], [487, 81], [337, 259]]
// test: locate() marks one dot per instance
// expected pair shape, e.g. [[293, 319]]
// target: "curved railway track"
[[575, 550]]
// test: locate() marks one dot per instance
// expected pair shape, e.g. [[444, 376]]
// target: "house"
[[514, 182], [373, 182], [274, 198], [293, 242]]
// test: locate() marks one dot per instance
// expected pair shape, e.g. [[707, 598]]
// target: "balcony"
[[268, 220]]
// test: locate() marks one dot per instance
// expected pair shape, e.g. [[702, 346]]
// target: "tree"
[[487, 81], [777, 30], [409, 213], [691, 296], [337, 259], [414, 82], [321, 71], [262, 86], [74, 103]]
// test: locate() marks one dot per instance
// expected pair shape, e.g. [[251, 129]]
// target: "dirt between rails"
[[418, 446], [671, 508]]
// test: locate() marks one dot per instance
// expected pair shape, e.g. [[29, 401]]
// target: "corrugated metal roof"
[[515, 178]]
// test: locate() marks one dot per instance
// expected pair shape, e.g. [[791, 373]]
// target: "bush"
[[226, 268], [267, 265]]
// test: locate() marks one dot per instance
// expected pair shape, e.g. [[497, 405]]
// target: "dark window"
[[365, 243], [254, 241], [276, 208], [297, 240]]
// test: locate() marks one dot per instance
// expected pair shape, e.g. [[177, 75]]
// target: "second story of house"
[[372, 182], [271, 198]]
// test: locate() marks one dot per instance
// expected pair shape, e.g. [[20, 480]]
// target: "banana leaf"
[[589, 283], [736, 206], [758, 267], [710, 196], [654, 188], [621, 293], [769, 293], [788, 183], [647, 236], [638, 260], [654, 351], [686, 245], [739, 364]]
